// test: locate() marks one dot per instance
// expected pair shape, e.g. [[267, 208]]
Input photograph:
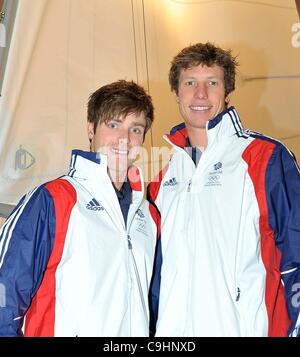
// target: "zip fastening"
[[130, 282], [129, 242], [137, 274], [238, 294], [138, 282]]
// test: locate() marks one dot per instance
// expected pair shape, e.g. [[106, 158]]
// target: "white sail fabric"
[[22, 43], [61, 51]]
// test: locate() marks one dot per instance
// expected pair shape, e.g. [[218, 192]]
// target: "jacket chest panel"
[[217, 203]]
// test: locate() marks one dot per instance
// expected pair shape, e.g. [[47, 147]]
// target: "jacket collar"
[[225, 124], [85, 164]]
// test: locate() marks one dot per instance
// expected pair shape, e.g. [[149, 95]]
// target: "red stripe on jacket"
[[40, 318], [257, 156], [153, 190]]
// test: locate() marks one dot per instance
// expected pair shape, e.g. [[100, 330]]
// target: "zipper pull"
[[189, 186], [129, 242], [238, 294]]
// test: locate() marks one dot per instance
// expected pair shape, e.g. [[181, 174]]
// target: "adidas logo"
[[94, 205], [171, 182]]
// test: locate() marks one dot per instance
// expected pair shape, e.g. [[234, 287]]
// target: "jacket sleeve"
[[26, 241], [284, 218]]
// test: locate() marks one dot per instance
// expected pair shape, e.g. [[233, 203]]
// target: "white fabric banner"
[[62, 50]]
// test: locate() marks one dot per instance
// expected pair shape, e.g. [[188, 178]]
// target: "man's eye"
[[112, 125], [136, 130], [190, 83], [212, 83]]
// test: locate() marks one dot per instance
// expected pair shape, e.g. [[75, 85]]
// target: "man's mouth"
[[120, 151], [200, 108]]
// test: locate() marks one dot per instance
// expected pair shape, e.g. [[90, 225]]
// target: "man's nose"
[[201, 91], [124, 139]]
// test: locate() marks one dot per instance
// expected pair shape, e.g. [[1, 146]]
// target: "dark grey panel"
[[7, 20], [5, 210]]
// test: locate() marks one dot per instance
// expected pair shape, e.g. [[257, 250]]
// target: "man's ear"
[[176, 96], [90, 130]]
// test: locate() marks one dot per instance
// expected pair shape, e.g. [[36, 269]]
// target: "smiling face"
[[120, 139], [201, 95]]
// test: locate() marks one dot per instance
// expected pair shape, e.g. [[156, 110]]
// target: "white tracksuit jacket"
[[69, 263], [227, 262]]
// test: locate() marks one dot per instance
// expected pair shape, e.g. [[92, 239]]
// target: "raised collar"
[[225, 124], [85, 164]]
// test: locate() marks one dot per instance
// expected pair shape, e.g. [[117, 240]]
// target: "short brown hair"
[[205, 54], [119, 99]]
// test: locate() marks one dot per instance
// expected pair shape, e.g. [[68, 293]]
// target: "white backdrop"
[[62, 50]]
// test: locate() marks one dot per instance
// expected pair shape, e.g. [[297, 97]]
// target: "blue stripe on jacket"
[[29, 238], [283, 199]]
